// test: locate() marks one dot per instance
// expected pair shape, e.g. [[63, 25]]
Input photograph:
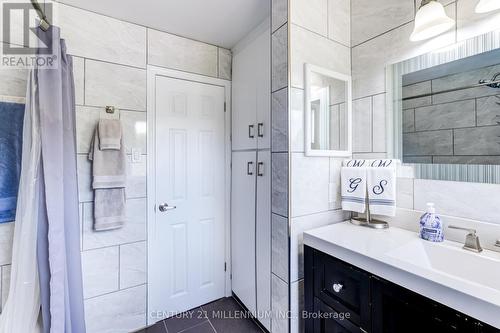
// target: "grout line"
[[211, 325], [110, 246], [383, 33], [320, 35], [278, 28], [115, 291], [191, 327]]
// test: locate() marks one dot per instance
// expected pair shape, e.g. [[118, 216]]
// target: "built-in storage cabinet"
[[251, 173], [348, 299], [251, 231], [243, 237], [251, 92]]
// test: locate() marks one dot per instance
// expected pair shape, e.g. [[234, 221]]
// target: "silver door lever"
[[165, 207]]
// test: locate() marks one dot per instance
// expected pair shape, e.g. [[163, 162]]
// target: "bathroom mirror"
[[445, 111], [327, 112]]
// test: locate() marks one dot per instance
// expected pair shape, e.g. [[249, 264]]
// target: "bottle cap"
[[430, 208]]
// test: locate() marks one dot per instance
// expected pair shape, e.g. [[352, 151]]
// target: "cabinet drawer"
[[343, 287], [329, 321]]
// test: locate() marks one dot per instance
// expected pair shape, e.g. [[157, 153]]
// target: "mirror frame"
[[308, 69], [394, 72]]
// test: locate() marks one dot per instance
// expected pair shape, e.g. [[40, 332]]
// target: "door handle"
[[251, 133], [260, 169], [260, 130], [249, 165], [164, 207]]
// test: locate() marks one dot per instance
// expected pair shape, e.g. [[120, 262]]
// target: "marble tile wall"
[[110, 69], [319, 35], [382, 39], [280, 323]]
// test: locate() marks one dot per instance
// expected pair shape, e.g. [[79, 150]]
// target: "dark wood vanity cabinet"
[[341, 298]]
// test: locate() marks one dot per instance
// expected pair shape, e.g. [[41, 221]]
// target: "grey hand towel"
[[110, 134], [109, 167], [109, 209]]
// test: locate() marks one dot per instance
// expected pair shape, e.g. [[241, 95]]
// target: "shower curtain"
[[46, 293]]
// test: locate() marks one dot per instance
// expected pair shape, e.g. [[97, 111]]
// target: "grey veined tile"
[[339, 21], [309, 47], [95, 36], [120, 86], [13, 82], [279, 58], [362, 125], [132, 264], [225, 61], [279, 304], [279, 13], [279, 197], [119, 312], [100, 271], [372, 18], [279, 109], [180, 53], [134, 131], [279, 258], [311, 14], [444, 116], [477, 141], [428, 143], [79, 77], [488, 110]]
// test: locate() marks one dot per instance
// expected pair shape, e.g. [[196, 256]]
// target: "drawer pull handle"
[[337, 287]]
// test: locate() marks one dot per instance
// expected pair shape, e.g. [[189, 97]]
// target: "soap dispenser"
[[431, 226]]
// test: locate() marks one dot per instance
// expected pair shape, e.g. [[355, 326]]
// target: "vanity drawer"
[[329, 320], [343, 287]]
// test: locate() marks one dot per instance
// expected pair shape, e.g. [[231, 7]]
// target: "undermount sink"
[[450, 258]]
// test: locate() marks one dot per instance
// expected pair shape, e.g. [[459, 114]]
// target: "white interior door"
[[187, 242], [243, 227]]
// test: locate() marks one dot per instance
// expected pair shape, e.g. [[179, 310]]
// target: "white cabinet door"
[[244, 117], [263, 90], [263, 235], [243, 227]]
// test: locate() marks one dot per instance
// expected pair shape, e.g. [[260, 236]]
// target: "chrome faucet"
[[471, 240]]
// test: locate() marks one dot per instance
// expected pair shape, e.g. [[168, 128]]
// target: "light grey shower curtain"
[[58, 225], [46, 264]]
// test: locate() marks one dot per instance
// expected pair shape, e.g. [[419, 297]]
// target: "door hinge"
[[225, 267]]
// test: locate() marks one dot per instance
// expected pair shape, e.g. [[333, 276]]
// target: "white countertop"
[[444, 272]]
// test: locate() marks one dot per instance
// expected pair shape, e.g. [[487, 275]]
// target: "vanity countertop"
[[463, 280]]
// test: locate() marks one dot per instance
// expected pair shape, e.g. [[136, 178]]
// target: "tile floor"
[[221, 316]]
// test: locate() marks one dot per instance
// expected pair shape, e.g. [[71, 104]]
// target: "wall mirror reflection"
[[328, 112], [445, 107]]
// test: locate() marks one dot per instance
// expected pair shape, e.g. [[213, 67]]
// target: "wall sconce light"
[[431, 20], [485, 6]]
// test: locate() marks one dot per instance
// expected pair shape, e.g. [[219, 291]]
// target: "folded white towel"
[[109, 169], [353, 189], [381, 184], [110, 134], [109, 208]]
